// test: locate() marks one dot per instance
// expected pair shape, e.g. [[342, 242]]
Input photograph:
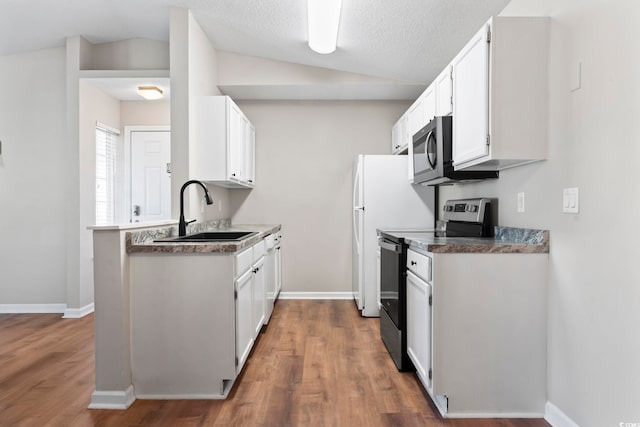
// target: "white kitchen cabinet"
[[444, 95], [419, 326], [244, 318], [259, 296], [222, 149], [500, 95], [194, 320], [278, 264], [484, 336], [399, 135]]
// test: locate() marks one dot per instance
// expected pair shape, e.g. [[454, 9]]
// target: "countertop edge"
[[150, 246]]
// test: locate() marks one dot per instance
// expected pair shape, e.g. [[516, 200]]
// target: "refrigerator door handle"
[[356, 184]]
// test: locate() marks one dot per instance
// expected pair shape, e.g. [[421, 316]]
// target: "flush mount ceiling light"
[[150, 92], [323, 19]]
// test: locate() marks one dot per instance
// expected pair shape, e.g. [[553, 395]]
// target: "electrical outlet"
[[520, 202], [571, 200], [220, 205], [202, 205]]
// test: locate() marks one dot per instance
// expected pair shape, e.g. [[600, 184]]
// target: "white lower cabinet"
[[244, 318], [259, 296], [476, 331], [419, 326], [194, 320]]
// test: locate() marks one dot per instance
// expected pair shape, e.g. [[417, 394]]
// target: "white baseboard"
[[76, 313], [112, 399], [554, 416], [32, 308], [316, 295]]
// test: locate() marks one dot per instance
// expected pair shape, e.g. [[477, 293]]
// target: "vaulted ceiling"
[[407, 40]]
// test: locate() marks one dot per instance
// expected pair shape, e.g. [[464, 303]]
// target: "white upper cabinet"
[[443, 88], [500, 95], [422, 111], [399, 140], [223, 143]]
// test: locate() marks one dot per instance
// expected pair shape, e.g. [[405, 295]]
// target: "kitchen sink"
[[212, 236]]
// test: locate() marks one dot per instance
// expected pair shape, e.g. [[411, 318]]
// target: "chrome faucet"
[[182, 225]]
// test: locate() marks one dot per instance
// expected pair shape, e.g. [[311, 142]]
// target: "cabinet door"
[[417, 118], [235, 142], [395, 137], [428, 108], [471, 99], [278, 266], [244, 318], [444, 98], [249, 153], [259, 297], [419, 326]]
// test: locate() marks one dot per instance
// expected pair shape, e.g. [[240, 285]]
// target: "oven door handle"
[[390, 246]]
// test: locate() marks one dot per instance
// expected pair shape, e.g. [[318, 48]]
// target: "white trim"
[[529, 415], [112, 399], [554, 416], [76, 313], [107, 128], [126, 214], [32, 308], [182, 396], [316, 295]]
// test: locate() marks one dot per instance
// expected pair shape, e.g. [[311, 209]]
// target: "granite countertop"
[[506, 240], [143, 241]]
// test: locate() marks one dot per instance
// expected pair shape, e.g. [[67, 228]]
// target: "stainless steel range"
[[462, 218]]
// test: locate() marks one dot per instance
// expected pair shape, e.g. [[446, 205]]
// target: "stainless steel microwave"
[[433, 156]]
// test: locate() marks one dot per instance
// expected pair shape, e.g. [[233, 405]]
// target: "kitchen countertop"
[[506, 240], [143, 241]]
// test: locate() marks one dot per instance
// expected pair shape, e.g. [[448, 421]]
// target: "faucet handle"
[[189, 222]]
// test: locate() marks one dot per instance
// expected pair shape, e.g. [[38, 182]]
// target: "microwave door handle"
[[432, 162]]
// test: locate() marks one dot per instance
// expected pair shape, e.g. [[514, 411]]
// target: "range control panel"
[[467, 210]]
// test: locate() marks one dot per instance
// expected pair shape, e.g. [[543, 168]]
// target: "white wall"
[[193, 73], [304, 156], [95, 106], [32, 178], [594, 298]]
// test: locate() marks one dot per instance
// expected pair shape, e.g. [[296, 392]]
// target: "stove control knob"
[[472, 208]]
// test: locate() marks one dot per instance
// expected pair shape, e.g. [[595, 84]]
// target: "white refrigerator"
[[384, 198]]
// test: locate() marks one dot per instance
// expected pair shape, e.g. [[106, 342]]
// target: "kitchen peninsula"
[[176, 319]]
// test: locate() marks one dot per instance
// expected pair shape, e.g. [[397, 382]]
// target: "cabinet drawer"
[[419, 264], [258, 250], [243, 261]]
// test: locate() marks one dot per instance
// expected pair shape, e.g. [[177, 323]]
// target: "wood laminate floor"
[[317, 364]]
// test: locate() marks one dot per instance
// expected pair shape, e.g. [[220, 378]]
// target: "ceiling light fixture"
[[323, 19], [150, 92]]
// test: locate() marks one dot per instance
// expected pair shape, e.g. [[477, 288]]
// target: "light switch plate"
[[521, 202], [571, 200]]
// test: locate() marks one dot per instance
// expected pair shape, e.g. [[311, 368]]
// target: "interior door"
[[150, 176]]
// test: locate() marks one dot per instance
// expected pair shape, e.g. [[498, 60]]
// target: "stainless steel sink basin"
[[211, 236]]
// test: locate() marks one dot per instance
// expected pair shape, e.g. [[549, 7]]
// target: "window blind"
[[106, 152]]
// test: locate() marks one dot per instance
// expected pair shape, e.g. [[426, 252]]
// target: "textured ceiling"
[[409, 40]]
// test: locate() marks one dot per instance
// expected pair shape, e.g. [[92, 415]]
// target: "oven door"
[[391, 279]]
